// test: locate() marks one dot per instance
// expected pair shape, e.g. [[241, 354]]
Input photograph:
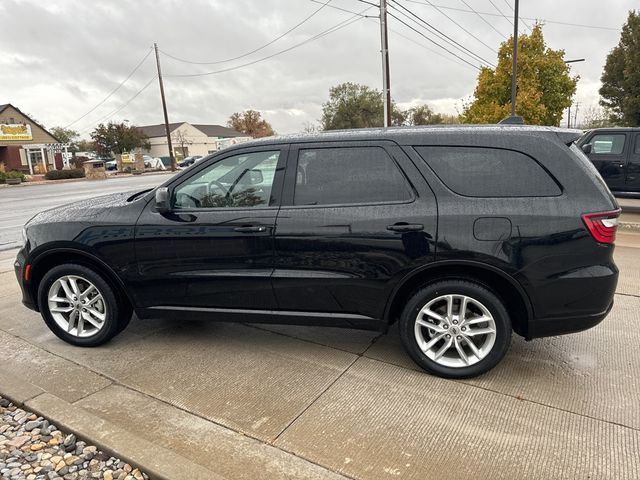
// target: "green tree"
[[118, 138], [620, 89], [251, 123], [65, 135], [544, 87]]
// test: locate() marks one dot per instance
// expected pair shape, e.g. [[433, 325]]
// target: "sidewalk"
[[72, 180]]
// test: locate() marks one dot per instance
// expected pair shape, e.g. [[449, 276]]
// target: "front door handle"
[[406, 227], [250, 229]]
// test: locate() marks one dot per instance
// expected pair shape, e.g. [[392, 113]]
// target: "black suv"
[[459, 234], [616, 154]]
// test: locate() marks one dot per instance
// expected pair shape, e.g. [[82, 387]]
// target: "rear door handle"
[[250, 229], [406, 227]]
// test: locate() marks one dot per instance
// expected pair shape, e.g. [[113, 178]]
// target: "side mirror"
[[587, 147], [162, 200], [255, 177]]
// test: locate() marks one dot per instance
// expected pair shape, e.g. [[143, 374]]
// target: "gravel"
[[33, 449]]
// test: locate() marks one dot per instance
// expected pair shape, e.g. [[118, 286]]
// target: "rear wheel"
[[80, 307], [455, 329]]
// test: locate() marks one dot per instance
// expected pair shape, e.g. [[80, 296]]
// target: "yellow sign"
[[126, 158], [15, 132]]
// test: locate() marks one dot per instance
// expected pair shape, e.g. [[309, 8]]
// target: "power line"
[[328, 31], [443, 35], [397, 32], [114, 90], [434, 42], [490, 14], [484, 20], [302, 22], [519, 18], [467, 31], [501, 13], [111, 114]]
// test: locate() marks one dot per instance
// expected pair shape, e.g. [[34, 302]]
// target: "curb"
[[158, 462], [72, 180]]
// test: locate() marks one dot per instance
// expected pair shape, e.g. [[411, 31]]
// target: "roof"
[[406, 135], [153, 131], [4, 106]]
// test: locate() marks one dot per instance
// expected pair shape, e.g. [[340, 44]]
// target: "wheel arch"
[[503, 285], [48, 259]]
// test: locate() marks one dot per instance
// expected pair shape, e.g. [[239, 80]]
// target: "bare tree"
[[182, 142]]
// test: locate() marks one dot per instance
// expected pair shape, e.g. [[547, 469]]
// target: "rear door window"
[[489, 172], [348, 175], [608, 144]]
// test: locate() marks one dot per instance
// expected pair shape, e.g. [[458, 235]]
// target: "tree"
[[65, 135], [544, 87], [251, 123], [620, 89], [181, 140], [118, 138], [596, 117]]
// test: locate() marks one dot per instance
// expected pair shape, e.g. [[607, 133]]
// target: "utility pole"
[[164, 109], [569, 110], [384, 42], [514, 67]]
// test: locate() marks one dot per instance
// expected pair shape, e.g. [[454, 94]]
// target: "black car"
[[616, 154], [459, 234], [187, 162]]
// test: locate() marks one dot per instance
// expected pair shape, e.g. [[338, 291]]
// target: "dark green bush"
[[12, 174], [64, 174]]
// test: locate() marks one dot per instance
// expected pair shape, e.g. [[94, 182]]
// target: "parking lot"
[[249, 401]]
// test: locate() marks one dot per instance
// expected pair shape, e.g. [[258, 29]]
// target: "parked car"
[[460, 235], [616, 154], [188, 161]]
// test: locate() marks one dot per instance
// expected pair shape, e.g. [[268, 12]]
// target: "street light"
[[575, 60]]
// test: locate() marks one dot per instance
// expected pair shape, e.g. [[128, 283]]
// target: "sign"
[[126, 158], [15, 131]]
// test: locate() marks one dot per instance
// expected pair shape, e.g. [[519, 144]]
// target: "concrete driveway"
[[249, 401]]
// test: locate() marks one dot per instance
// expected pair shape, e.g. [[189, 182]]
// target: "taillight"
[[602, 225]]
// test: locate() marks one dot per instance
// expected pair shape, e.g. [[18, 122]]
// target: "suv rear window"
[[348, 175], [489, 172]]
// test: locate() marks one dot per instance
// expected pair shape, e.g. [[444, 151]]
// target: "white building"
[[190, 139]]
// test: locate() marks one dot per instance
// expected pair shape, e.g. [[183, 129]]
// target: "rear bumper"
[[562, 325]]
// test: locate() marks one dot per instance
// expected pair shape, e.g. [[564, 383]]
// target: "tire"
[[486, 324], [109, 316]]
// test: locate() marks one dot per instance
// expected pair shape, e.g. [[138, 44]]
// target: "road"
[[20, 203], [280, 402]]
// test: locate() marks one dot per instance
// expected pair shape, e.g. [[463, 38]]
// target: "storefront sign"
[[15, 131], [126, 158]]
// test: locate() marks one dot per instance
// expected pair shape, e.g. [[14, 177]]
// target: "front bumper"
[[19, 266]]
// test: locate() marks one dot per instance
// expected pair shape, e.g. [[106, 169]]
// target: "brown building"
[[27, 146]]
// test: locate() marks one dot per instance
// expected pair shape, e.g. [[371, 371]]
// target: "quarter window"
[[348, 175], [608, 144], [489, 172], [240, 181]]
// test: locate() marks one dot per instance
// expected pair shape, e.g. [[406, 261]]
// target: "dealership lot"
[[249, 401]]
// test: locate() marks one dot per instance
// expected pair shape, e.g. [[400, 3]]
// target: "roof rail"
[[512, 120]]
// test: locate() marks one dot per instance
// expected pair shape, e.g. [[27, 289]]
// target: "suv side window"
[[607, 144], [241, 181], [348, 175], [489, 172]]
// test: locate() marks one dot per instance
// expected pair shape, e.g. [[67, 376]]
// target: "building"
[[190, 139], [26, 145]]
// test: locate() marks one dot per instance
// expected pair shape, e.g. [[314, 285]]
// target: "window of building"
[[608, 144], [489, 172], [240, 181], [348, 175]]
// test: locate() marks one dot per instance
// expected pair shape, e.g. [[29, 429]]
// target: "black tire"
[[114, 321], [471, 289]]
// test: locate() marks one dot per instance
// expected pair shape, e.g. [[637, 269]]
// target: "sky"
[[61, 59]]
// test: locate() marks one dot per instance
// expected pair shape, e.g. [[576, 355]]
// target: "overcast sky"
[[60, 58]]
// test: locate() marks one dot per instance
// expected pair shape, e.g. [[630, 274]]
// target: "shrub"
[[12, 174], [64, 174]]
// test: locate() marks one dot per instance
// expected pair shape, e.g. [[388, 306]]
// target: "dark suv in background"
[[615, 152], [460, 234]]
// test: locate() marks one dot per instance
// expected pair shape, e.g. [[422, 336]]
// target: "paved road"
[[21, 203], [283, 402]]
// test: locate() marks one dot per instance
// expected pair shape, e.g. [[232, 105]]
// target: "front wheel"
[[79, 306], [455, 329]]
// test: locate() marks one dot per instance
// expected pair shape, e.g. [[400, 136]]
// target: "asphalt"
[[22, 202], [250, 401]]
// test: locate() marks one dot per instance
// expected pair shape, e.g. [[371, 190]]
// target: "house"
[[190, 139], [26, 145]]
